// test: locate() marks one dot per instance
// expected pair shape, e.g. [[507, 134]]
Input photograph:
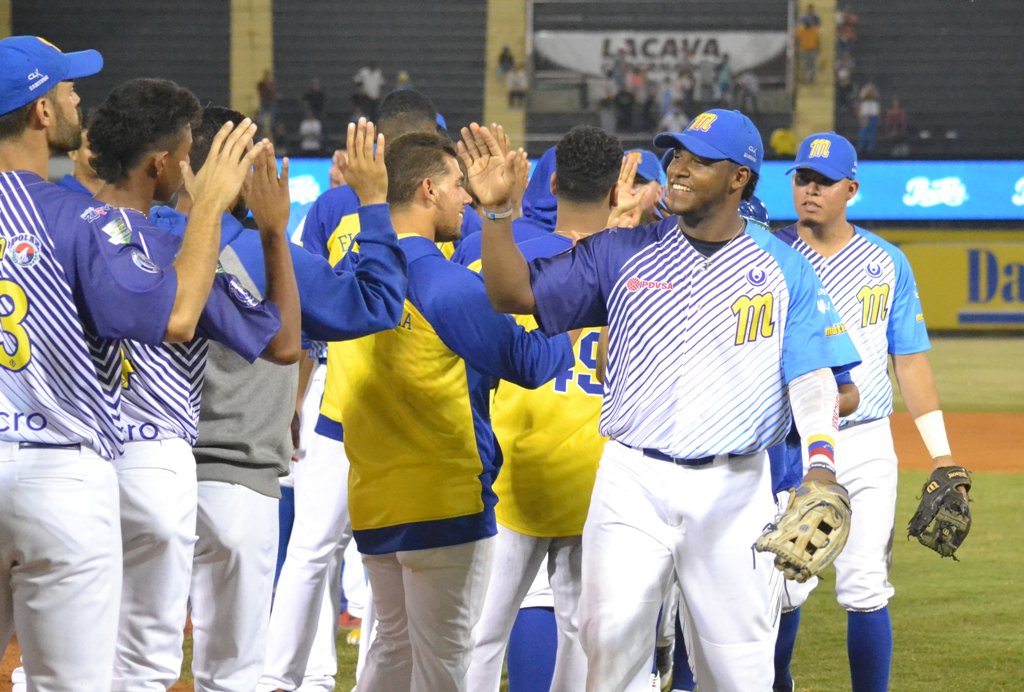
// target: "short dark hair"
[[213, 118], [411, 159], [587, 163], [405, 111], [13, 124], [748, 190], [137, 117]]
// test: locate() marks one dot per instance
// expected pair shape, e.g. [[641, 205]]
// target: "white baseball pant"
[[157, 482], [427, 603], [517, 559], [232, 583], [866, 466], [60, 564], [651, 523]]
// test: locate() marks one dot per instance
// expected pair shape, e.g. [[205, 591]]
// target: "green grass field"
[[957, 625]]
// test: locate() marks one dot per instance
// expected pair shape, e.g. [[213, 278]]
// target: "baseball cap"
[[755, 210], [649, 167], [719, 134], [30, 66], [827, 153]]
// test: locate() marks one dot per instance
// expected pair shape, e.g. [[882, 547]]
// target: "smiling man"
[[683, 487]]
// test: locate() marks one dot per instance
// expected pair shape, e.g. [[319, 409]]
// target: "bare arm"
[[917, 385], [267, 195], [492, 176], [216, 185], [849, 399]]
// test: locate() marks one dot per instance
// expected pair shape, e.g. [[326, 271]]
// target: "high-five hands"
[[266, 193], [362, 164], [627, 210], [232, 153], [492, 173]]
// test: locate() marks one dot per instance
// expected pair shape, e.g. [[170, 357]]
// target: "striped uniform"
[[700, 351], [67, 295], [874, 291]]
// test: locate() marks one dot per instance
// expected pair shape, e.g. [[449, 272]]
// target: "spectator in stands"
[[518, 84], [783, 142], [606, 111], [868, 111], [668, 95], [846, 30], [402, 81], [506, 61], [624, 103], [314, 98], [311, 133], [675, 120], [894, 129], [808, 42], [684, 84], [810, 17], [650, 114], [748, 87], [372, 80], [723, 82], [844, 88], [362, 104], [705, 79], [266, 88], [620, 68]]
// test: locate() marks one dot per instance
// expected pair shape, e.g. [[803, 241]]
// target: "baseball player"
[[321, 485], [244, 442], [420, 495], [874, 291], [143, 125], [68, 295], [683, 486], [550, 441], [83, 178]]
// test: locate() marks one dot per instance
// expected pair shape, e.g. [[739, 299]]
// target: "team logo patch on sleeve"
[[23, 250], [117, 231], [144, 263], [240, 294]]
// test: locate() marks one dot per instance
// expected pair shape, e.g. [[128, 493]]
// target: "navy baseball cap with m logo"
[[30, 66], [719, 134]]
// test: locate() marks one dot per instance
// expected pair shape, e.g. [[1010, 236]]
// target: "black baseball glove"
[[943, 519]]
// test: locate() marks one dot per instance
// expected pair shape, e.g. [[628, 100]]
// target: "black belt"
[[679, 461], [43, 445]]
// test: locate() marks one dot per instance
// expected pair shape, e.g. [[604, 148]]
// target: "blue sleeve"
[[468, 251], [814, 336], [365, 293], [491, 343], [121, 291], [907, 332], [471, 222], [570, 289], [315, 232], [234, 317], [842, 376]]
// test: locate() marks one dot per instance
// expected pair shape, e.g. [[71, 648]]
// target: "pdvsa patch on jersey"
[[240, 294], [144, 263], [117, 231], [23, 251]]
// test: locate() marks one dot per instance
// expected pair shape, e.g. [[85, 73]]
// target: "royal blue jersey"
[[469, 251], [70, 289], [873, 288], [700, 348]]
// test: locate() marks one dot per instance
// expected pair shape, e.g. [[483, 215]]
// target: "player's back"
[[61, 382]]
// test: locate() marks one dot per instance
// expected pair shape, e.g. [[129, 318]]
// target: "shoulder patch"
[[144, 263], [240, 294], [23, 250], [93, 214], [117, 231]]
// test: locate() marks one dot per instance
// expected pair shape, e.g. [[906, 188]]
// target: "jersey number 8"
[[13, 308]]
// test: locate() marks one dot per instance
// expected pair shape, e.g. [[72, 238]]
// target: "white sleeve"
[[814, 398]]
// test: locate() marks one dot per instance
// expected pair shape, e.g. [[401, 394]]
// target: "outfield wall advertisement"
[[970, 286]]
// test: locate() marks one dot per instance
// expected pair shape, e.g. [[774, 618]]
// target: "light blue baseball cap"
[[719, 134], [827, 153], [649, 167], [30, 66]]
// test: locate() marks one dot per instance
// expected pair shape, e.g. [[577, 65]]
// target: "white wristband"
[[497, 215], [933, 432]]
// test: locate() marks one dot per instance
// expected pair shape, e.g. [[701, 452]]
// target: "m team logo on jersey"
[[23, 251], [635, 283], [240, 294], [117, 231], [754, 317], [874, 303]]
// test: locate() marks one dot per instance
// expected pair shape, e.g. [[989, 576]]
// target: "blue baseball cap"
[[649, 167], [30, 66], [755, 210], [827, 153], [441, 122], [719, 134]]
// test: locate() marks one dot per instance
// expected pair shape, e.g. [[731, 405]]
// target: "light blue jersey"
[[70, 288], [873, 288], [700, 349]]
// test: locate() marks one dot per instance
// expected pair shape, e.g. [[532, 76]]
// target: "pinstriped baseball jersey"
[[67, 293], [873, 288], [700, 349], [162, 385]]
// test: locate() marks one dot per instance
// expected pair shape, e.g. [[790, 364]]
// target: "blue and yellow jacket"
[[415, 402]]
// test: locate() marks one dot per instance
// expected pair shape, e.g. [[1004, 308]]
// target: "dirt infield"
[[984, 442]]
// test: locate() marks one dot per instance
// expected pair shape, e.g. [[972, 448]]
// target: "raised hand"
[[231, 155], [627, 211], [266, 193], [491, 172], [362, 165]]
